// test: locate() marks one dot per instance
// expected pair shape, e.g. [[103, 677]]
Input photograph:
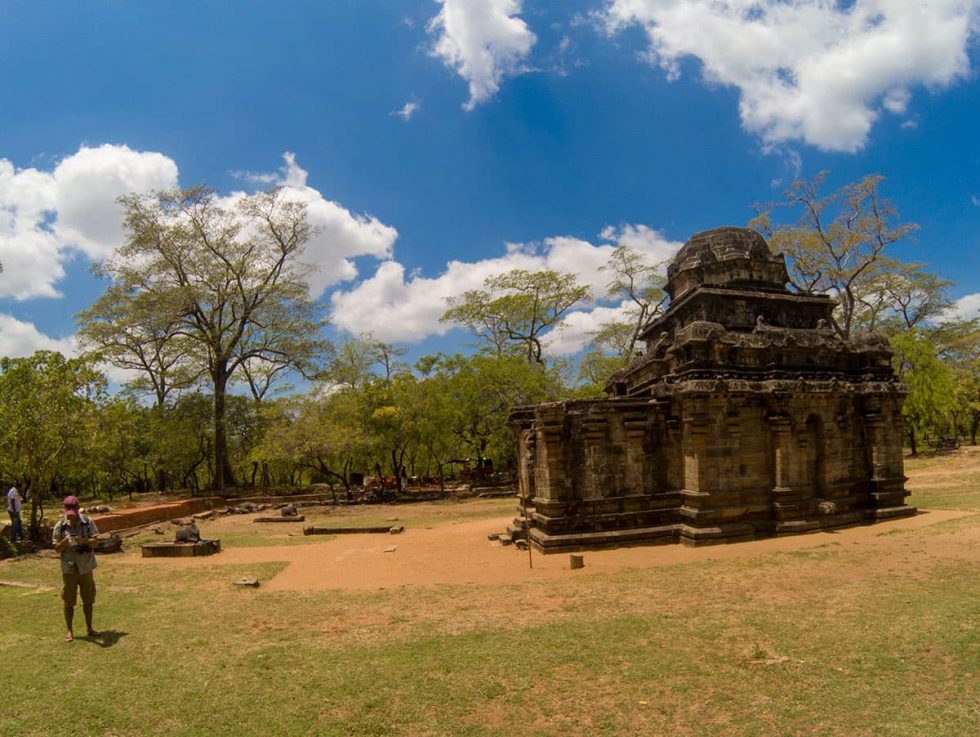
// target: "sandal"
[[69, 637]]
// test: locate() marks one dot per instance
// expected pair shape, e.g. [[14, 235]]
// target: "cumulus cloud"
[[87, 185], [47, 218], [19, 339], [820, 71], [340, 234], [578, 328], [50, 217], [398, 307], [965, 308], [483, 41]]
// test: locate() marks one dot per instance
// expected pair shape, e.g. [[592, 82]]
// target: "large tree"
[[836, 241], [898, 296], [515, 310], [221, 282], [640, 285], [479, 391]]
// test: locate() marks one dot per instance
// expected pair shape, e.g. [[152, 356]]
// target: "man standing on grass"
[[74, 536], [13, 509]]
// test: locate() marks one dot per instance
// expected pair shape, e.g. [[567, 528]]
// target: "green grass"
[[833, 640], [891, 661], [945, 480]]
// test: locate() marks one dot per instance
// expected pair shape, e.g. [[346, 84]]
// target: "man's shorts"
[[74, 582]]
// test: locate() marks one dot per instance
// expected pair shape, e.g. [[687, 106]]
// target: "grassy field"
[[878, 638]]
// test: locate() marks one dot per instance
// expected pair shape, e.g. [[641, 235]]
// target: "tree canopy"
[[46, 403], [514, 310], [837, 239], [212, 289]]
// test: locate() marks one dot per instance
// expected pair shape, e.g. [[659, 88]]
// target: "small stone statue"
[[188, 534]]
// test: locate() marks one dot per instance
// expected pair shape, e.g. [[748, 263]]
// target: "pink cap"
[[71, 505]]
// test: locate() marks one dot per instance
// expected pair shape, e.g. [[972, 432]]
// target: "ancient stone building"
[[747, 416]]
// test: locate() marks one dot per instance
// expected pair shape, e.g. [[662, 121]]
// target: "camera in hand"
[[77, 547]]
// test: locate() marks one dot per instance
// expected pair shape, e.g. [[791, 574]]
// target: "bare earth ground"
[[459, 551]]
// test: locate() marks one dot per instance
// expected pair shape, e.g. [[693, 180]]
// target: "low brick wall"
[[148, 515]]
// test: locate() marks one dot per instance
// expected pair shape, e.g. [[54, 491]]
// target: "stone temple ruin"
[[747, 416]]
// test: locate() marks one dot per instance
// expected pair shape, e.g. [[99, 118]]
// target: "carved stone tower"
[[747, 416]]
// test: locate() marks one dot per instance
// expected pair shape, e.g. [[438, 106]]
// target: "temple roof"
[[710, 257]]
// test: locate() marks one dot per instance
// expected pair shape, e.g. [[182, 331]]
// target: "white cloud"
[[341, 235], [483, 41], [87, 185], [48, 217], [965, 308], [820, 70], [19, 339], [407, 309], [407, 110], [578, 327], [651, 243]]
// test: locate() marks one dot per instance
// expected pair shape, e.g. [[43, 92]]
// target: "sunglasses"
[[71, 506]]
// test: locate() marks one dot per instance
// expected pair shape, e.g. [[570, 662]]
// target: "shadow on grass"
[[106, 638]]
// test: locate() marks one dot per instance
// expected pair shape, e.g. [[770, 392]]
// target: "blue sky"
[[438, 142]]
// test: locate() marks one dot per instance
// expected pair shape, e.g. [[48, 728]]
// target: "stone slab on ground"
[[297, 518], [180, 550], [381, 530]]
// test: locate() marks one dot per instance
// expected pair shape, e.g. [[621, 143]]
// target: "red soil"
[[460, 552]]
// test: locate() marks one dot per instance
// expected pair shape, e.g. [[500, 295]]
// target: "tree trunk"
[[223, 473], [912, 447]]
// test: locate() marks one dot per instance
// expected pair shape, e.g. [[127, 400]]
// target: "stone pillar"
[[786, 504], [887, 492], [593, 481], [779, 425], [874, 426], [695, 441], [551, 472], [673, 453], [731, 476], [635, 430]]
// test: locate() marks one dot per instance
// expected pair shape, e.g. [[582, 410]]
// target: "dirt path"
[[459, 553]]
